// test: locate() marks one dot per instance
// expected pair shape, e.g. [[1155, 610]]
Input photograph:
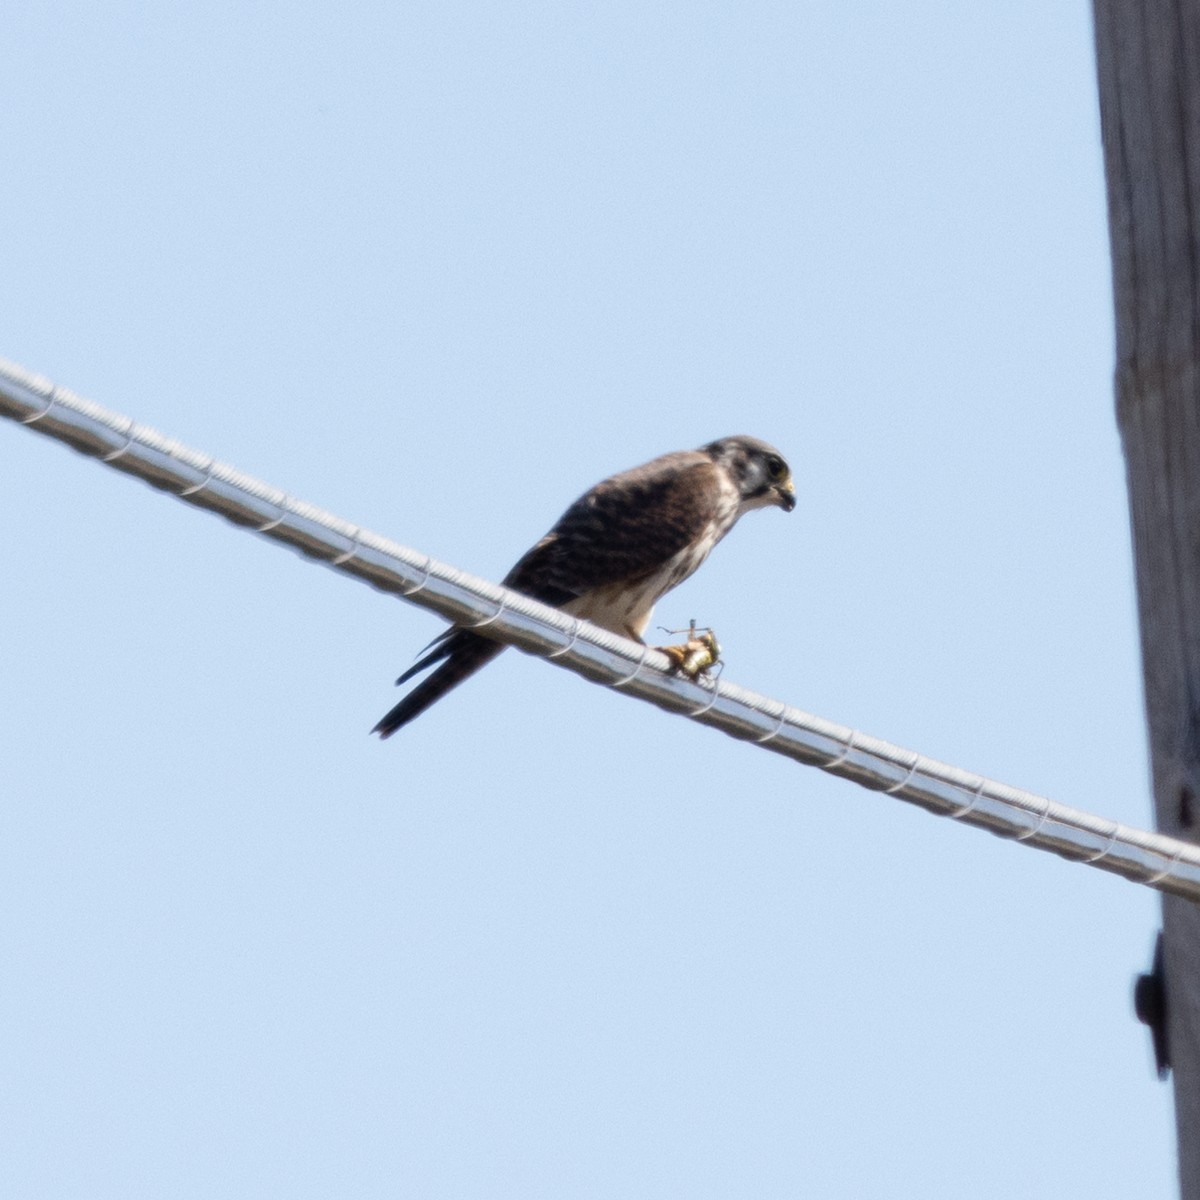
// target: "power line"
[[1161, 862]]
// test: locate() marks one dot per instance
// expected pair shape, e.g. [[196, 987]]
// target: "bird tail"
[[464, 653]]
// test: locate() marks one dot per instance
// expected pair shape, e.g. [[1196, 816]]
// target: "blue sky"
[[439, 268]]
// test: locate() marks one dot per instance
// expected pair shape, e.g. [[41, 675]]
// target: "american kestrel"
[[617, 549]]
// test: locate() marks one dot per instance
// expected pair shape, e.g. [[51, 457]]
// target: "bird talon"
[[697, 655]]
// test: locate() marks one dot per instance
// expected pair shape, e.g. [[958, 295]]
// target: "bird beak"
[[787, 494]]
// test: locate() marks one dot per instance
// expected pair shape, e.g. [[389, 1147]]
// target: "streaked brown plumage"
[[617, 549]]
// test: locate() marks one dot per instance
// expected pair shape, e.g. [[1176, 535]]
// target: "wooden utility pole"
[[1148, 59]]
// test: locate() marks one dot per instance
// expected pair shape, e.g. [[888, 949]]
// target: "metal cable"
[[1161, 862]]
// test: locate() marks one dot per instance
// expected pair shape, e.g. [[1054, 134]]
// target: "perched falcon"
[[617, 549]]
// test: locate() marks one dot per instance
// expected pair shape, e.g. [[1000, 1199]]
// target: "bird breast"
[[626, 607]]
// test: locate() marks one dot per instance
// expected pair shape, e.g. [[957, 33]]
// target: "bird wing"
[[623, 530]]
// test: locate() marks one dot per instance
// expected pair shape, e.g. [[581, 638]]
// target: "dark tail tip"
[[465, 653]]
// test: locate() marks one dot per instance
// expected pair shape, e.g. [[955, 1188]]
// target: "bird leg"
[[695, 656]]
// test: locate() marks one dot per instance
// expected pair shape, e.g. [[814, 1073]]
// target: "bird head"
[[758, 470]]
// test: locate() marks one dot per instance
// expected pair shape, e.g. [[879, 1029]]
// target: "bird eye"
[[776, 467]]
